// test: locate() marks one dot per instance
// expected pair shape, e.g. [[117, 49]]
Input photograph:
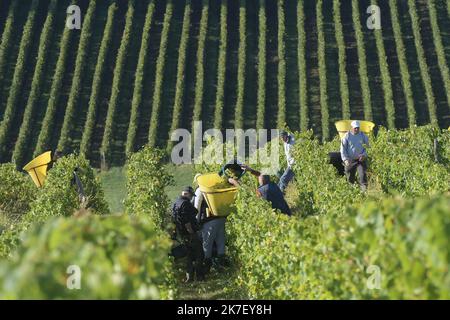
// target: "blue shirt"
[[352, 146], [272, 193]]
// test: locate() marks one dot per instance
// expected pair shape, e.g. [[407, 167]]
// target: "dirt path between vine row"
[[217, 286]]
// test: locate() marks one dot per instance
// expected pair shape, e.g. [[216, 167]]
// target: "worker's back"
[[272, 193], [183, 212]]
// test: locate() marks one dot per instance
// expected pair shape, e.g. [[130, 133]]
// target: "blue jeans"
[[287, 176], [214, 231]]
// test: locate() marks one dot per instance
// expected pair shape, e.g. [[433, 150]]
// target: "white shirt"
[[287, 150], [198, 200]]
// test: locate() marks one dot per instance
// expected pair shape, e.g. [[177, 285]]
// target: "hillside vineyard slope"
[[138, 70]]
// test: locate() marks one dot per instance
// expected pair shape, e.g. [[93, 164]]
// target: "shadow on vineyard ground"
[[217, 286]]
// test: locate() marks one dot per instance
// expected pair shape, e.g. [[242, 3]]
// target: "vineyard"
[[137, 70], [324, 251], [110, 93]]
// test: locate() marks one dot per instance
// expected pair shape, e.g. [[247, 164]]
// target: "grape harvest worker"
[[288, 175], [76, 181], [267, 190], [354, 154], [213, 232], [184, 216]]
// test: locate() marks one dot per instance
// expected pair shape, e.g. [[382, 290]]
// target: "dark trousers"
[[195, 257], [287, 177], [361, 168]]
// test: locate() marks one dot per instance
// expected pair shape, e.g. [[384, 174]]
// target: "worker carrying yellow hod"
[[354, 154], [39, 167]]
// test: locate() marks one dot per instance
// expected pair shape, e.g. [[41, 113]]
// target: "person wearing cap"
[[213, 232], [288, 175], [184, 216], [354, 154]]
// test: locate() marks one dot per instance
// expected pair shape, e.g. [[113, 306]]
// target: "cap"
[[283, 133], [188, 189], [355, 124]]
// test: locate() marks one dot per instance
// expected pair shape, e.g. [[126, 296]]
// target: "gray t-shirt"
[[352, 146]]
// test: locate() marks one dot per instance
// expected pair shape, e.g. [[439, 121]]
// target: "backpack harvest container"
[[218, 195], [344, 126], [37, 168]]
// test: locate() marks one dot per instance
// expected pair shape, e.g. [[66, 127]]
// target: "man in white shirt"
[[288, 175]]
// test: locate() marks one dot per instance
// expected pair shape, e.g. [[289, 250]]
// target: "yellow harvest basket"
[[37, 168], [344, 126], [218, 198]]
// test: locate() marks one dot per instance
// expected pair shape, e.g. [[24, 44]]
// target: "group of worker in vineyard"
[[203, 236]]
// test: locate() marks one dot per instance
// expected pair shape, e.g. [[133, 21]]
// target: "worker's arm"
[[188, 217], [189, 228], [233, 182], [366, 142], [344, 154], [288, 152], [198, 199], [252, 171]]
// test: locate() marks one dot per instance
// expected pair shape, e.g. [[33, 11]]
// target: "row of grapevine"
[[448, 8], [260, 113], [159, 78], [21, 145], [45, 134], [81, 237], [404, 72], [426, 79], [18, 77], [57, 197], [105, 148], [97, 82], [362, 69], [332, 266], [405, 175], [239, 111], [322, 73], [146, 179], [6, 38], [200, 63], [303, 94], [281, 65], [181, 69], [343, 78], [128, 253], [440, 50], [77, 80], [139, 79], [329, 257], [222, 63], [385, 78]]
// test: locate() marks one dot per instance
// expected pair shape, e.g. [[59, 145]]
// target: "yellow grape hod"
[[343, 127], [218, 194], [37, 168]]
